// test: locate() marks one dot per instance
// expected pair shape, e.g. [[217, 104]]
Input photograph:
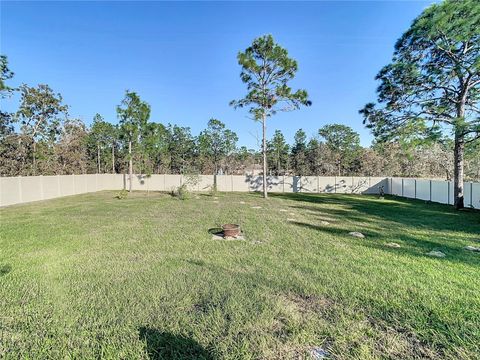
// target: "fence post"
[[283, 187], [402, 187], [415, 183], [430, 181], [448, 192], [318, 184], [471, 194]]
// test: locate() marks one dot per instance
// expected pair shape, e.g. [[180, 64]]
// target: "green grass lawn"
[[92, 276]]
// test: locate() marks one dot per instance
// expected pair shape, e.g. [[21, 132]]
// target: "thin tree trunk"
[[264, 150], [34, 145], [98, 158], [130, 166], [113, 158], [458, 154], [215, 177], [458, 172]]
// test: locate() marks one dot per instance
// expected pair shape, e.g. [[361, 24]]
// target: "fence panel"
[[50, 187], [375, 183], [344, 184], [309, 184], [440, 191], [396, 186], [423, 189], [10, 191], [326, 184], [31, 188], [475, 195], [409, 188]]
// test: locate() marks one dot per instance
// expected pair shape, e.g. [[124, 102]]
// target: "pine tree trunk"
[[34, 157], [215, 177], [458, 172], [130, 166], [264, 150], [113, 159], [98, 158]]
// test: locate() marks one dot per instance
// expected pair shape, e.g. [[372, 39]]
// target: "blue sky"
[[181, 56]]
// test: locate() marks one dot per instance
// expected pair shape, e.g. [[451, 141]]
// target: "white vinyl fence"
[[16, 190], [438, 191]]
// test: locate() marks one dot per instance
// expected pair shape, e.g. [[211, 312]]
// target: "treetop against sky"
[[181, 57]]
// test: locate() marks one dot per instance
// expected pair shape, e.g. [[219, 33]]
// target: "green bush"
[[122, 194], [181, 192]]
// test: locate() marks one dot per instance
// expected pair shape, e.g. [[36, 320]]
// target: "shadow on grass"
[[215, 231], [420, 227], [166, 346], [5, 269]]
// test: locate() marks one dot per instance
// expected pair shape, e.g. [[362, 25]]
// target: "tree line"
[[41, 138]]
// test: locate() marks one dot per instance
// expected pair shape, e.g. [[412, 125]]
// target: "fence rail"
[[16, 190]]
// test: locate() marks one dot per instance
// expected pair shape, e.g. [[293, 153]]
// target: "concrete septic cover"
[[393, 245], [472, 248], [356, 234], [436, 253]]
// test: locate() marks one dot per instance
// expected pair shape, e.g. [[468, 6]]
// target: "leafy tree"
[[154, 147], [267, 69], [181, 147], [5, 92], [433, 82], [5, 74], [103, 138], [319, 158], [133, 114], [10, 148], [299, 153], [278, 151], [72, 148], [215, 143], [40, 114], [344, 143]]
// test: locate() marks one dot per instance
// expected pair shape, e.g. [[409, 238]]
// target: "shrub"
[[122, 194], [181, 192]]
